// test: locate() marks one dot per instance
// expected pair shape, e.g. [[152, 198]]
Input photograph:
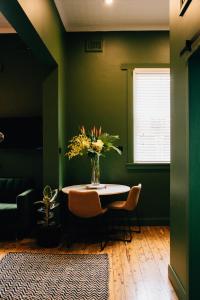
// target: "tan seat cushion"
[[117, 205]]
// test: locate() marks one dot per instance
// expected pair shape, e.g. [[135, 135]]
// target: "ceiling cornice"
[[116, 28]]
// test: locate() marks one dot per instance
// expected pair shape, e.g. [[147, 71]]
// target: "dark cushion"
[[8, 215], [8, 221], [8, 206], [16, 207], [11, 187]]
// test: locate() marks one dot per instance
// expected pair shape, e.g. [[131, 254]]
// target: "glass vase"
[[95, 176]]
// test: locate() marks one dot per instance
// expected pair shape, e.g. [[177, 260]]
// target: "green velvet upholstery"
[[11, 187], [16, 207]]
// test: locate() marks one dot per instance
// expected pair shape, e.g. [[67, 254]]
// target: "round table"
[[109, 189]]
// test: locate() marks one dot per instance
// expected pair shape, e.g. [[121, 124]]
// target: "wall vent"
[[94, 46]]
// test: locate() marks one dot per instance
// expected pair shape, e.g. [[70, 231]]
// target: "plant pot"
[[48, 236]]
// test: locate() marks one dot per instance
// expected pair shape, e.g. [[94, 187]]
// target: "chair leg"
[[104, 233], [130, 234], [119, 228], [138, 221], [128, 231], [138, 224], [127, 228]]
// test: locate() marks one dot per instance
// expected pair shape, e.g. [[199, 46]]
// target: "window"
[[151, 115]]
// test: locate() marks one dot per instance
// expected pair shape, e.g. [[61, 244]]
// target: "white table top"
[[109, 189]]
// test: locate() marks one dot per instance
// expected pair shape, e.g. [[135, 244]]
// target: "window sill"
[[134, 166]]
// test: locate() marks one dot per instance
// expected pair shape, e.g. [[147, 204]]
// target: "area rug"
[[54, 276]]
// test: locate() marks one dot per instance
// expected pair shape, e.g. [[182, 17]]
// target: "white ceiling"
[[5, 26], [95, 15]]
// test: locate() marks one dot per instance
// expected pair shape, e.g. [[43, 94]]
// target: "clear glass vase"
[[95, 176]]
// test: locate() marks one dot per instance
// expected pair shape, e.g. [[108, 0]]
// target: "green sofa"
[[16, 207]]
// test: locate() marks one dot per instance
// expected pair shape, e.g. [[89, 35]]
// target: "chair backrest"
[[84, 204], [133, 197]]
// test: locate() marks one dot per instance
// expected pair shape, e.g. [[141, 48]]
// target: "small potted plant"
[[47, 215]]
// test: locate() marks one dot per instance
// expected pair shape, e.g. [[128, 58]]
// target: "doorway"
[[29, 35]]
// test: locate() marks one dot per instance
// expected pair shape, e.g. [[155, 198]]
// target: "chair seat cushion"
[[117, 205]]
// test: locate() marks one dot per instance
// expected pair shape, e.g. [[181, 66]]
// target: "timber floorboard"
[[138, 270]]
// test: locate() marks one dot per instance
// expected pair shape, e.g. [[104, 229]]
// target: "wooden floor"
[[138, 270]]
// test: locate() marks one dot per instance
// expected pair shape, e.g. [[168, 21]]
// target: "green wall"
[[89, 88], [21, 79], [97, 95], [20, 96], [46, 40], [185, 240]]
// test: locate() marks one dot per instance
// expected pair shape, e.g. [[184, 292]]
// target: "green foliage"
[[47, 192], [46, 205], [109, 141]]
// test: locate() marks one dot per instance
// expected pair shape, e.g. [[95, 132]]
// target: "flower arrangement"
[[93, 144]]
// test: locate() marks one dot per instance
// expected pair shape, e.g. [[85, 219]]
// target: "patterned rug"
[[54, 276]]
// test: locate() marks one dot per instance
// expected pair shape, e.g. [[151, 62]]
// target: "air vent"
[[94, 46]]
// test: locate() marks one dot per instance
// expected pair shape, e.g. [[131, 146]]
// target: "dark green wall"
[[46, 40], [21, 79], [97, 94], [20, 96], [185, 240]]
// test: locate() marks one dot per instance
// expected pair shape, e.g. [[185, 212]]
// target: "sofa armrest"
[[26, 199], [25, 211]]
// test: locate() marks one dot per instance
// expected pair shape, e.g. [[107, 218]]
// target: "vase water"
[[95, 169]]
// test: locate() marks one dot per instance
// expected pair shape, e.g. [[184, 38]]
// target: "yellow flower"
[[86, 143], [98, 145], [79, 144]]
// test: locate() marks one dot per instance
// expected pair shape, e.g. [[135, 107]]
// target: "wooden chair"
[[126, 209], [85, 209]]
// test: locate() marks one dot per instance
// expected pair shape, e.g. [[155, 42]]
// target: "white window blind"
[[151, 90]]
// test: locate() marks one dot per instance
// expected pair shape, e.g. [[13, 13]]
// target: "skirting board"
[[154, 221], [151, 221], [180, 291]]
